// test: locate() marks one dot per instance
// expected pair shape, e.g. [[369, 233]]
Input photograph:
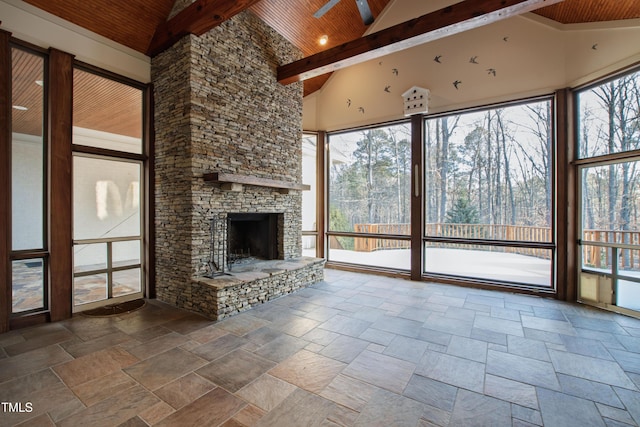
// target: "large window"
[[108, 166], [609, 151], [488, 202], [28, 184], [369, 196], [309, 198]]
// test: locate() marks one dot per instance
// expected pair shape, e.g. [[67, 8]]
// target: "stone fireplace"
[[219, 111]]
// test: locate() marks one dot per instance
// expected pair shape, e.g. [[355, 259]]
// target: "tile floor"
[[354, 350]]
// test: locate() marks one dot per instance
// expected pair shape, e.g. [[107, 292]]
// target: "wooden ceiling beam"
[[450, 20], [197, 18]]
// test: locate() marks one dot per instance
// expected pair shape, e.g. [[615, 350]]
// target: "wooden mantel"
[[234, 182]]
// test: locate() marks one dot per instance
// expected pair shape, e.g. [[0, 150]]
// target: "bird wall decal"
[[595, 46], [505, 39], [457, 83], [387, 88], [473, 60], [491, 71], [361, 109], [348, 102], [395, 71], [437, 59]]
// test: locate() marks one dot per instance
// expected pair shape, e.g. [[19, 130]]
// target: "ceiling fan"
[[363, 8]]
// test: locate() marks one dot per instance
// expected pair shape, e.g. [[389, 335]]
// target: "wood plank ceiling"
[[133, 23]]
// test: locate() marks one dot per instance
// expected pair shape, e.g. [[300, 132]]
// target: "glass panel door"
[[610, 235], [107, 230]]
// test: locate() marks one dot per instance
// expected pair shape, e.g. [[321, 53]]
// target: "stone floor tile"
[[82, 348], [616, 414], [460, 313], [548, 325], [502, 326], [468, 348], [491, 337], [398, 325], [405, 348], [212, 409], [596, 324], [544, 336], [434, 337], [432, 392], [522, 369], [345, 325], [219, 347], [153, 414], [415, 313], [628, 361], [438, 322], [295, 325], [102, 388], [32, 361], [344, 348], [235, 370], [380, 370], [559, 409], [446, 301], [590, 368], [266, 392], [307, 370], [377, 336], [188, 323], [590, 390], [528, 348], [390, 409], [631, 400], [248, 416], [36, 341], [94, 365], [184, 390], [158, 345], [114, 410], [301, 408], [241, 325], [281, 348], [320, 336], [46, 393], [349, 392], [452, 370], [585, 347], [165, 367], [474, 409], [206, 334], [526, 415], [511, 391]]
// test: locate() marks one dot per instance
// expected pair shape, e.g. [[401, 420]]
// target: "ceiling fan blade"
[[324, 9], [365, 11]]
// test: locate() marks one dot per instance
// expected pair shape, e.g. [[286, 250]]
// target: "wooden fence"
[[593, 256]]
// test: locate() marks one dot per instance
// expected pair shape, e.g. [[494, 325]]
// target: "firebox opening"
[[252, 236]]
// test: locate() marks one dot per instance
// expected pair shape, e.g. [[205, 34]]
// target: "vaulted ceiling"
[[134, 23], [147, 26]]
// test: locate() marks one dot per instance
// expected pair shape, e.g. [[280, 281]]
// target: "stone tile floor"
[[354, 350]]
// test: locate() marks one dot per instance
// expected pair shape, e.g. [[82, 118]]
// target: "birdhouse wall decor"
[[416, 100]]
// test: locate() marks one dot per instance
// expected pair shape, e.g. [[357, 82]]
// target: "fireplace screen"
[[252, 236]]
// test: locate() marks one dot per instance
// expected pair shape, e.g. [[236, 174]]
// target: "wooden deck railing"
[[601, 257], [594, 256]]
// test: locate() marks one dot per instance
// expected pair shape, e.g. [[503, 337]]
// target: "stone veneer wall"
[[219, 108]]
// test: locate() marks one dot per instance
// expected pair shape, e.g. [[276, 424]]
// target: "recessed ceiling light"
[[20, 107], [323, 40]]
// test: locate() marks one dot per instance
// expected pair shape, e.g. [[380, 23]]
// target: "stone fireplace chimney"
[[219, 108]]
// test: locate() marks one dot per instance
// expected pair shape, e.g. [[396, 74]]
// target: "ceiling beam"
[[450, 20], [197, 18]]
